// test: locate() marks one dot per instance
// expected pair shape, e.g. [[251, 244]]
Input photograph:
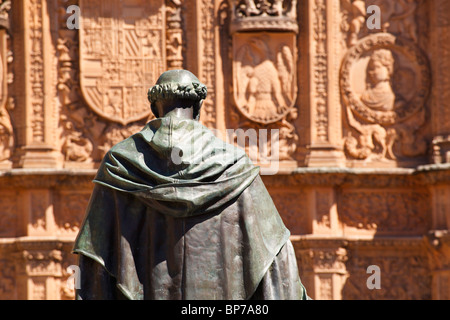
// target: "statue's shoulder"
[[132, 142], [125, 145]]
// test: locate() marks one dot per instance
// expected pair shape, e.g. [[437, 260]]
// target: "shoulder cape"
[[176, 213]]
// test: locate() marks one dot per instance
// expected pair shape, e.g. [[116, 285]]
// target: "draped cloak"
[[176, 213]]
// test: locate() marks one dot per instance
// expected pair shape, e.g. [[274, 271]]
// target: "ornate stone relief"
[[287, 204], [103, 87], [322, 266], [385, 84], [40, 262], [6, 128], [37, 71], [67, 291], [8, 213], [396, 81], [440, 39], [329, 208], [320, 71], [8, 285], [438, 250], [397, 17], [264, 68], [385, 212], [207, 62], [325, 259], [5, 6], [403, 265], [264, 82], [174, 39], [264, 15], [70, 207], [122, 54]]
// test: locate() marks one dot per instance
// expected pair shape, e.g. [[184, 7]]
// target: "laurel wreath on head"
[[167, 91]]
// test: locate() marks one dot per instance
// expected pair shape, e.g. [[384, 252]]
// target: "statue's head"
[[179, 88]]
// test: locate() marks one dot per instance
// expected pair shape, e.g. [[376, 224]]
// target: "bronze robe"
[[176, 213]]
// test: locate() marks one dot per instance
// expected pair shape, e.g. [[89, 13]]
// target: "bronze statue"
[[177, 213]]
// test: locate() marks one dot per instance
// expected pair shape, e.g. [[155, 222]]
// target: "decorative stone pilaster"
[[438, 245], [36, 86], [440, 195], [325, 107], [323, 211], [38, 270], [322, 267], [264, 89], [440, 46]]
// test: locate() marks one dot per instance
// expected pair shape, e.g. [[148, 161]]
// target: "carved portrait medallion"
[[264, 75], [385, 79], [122, 53]]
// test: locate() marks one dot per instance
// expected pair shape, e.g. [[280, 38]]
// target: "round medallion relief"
[[385, 79]]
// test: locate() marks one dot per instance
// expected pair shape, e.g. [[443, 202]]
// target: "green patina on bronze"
[[176, 213]]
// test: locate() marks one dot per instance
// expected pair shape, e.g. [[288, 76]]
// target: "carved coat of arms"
[[122, 53], [264, 82]]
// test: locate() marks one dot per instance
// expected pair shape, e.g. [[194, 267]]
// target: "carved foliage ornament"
[[122, 53], [396, 17], [404, 276], [386, 212]]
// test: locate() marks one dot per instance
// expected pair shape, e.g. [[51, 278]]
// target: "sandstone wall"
[[357, 122]]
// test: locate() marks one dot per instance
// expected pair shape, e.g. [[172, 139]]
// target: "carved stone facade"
[[355, 118]]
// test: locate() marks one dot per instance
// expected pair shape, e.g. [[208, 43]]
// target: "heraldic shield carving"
[[122, 53], [264, 69]]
